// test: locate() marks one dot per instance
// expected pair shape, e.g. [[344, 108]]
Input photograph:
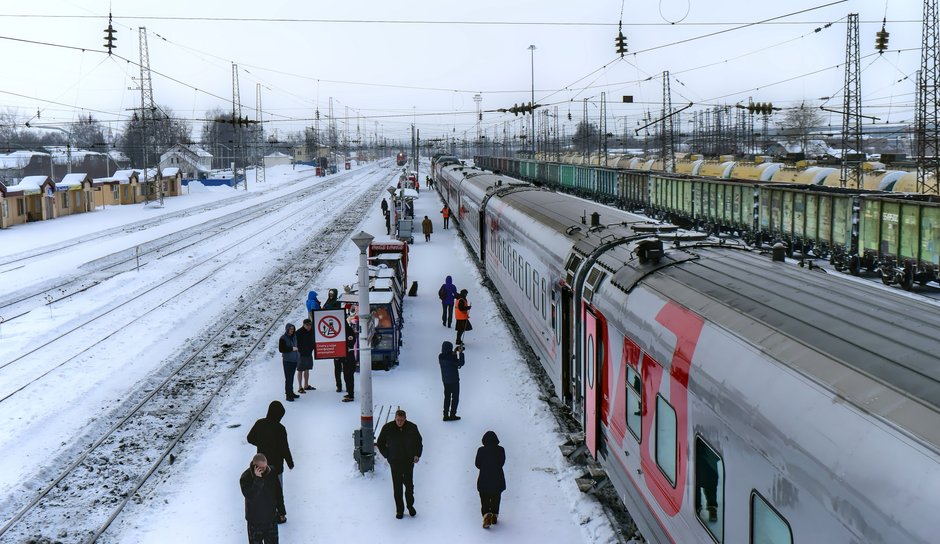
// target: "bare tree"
[[797, 124]]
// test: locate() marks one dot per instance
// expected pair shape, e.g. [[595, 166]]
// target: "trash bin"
[[348, 166], [319, 171], [332, 168]]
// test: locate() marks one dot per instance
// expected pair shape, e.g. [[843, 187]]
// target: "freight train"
[[728, 397], [896, 235]]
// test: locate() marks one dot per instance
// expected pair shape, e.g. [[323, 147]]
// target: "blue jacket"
[[313, 303], [450, 363], [450, 292], [286, 345]]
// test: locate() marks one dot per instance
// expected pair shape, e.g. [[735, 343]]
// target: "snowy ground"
[[196, 499]]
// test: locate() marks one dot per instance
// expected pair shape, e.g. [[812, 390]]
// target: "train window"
[[767, 525], [520, 278], [512, 264], [666, 438], [544, 315], [634, 403], [525, 280], [535, 289], [709, 489]]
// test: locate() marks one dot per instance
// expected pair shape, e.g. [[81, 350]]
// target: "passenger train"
[[730, 398]]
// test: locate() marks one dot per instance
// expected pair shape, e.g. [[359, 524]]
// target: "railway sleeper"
[[593, 481]]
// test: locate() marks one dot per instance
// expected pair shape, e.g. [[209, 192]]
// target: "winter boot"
[[454, 417], [446, 417], [494, 518], [487, 520]]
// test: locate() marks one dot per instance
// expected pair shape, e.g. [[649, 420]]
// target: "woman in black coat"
[[492, 482]]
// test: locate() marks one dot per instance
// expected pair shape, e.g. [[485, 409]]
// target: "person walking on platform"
[[451, 361], [290, 356], [332, 303], [492, 482], [447, 293], [270, 437], [349, 368], [462, 311], [313, 303], [384, 207], [305, 342], [400, 443], [260, 489], [388, 223], [445, 211], [427, 228]]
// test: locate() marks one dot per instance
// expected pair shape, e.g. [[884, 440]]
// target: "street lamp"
[[532, 130], [364, 437]]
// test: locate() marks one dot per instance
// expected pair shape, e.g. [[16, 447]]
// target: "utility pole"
[[364, 437], [602, 148], [928, 131], [147, 110], [532, 103], [667, 149], [851, 175], [236, 122], [259, 170]]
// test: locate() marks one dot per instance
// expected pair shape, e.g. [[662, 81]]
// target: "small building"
[[12, 206], [129, 180], [193, 161], [74, 194], [106, 191], [19, 164], [38, 195], [172, 179]]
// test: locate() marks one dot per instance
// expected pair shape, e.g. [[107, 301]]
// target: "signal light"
[[621, 42]]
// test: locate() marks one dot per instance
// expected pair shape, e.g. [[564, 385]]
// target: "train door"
[[593, 369], [566, 337], [482, 224]]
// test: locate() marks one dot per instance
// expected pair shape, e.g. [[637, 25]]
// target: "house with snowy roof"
[[74, 194], [32, 198], [19, 164], [193, 161]]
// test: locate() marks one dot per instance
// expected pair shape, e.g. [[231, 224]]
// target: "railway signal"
[[109, 38]]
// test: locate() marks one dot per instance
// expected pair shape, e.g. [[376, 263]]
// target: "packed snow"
[[197, 498]]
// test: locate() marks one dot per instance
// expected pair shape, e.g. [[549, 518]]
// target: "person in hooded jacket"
[[349, 368], [313, 303], [450, 362], [447, 294], [305, 344], [290, 356], [261, 490], [492, 482], [270, 437], [462, 311]]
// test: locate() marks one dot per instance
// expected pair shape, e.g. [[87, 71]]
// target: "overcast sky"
[[421, 61]]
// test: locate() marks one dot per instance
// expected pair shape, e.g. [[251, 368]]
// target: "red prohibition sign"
[[329, 327]]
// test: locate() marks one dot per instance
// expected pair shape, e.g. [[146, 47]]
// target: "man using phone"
[[260, 488], [451, 361]]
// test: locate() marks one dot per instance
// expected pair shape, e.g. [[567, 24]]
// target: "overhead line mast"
[[851, 110], [928, 129]]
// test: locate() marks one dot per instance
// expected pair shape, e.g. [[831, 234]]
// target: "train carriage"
[[902, 235]]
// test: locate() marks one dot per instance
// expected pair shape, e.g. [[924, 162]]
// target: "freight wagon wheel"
[[854, 265], [906, 280]]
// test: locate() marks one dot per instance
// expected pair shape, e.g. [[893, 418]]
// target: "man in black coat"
[[450, 362], [400, 443], [270, 437], [260, 489], [492, 482]]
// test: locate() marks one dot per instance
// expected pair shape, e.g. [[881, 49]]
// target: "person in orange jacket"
[[445, 211], [462, 314]]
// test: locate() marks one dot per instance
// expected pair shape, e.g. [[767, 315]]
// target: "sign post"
[[364, 438], [329, 334]]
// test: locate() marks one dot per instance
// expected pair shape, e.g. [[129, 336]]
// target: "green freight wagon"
[[633, 189], [813, 218], [566, 177], [709, 203], [901, 233]]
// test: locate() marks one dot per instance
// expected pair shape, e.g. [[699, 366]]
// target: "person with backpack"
[[447, 293], [462, 311]]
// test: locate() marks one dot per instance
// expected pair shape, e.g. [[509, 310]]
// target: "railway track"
[[20, 303], [113, 461]]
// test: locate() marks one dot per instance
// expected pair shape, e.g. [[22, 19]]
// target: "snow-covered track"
[[107, 467]]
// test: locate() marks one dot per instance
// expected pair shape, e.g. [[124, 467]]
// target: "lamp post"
[[364, 437], [532, 103]]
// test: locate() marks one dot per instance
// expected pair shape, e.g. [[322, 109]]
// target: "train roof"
[[830, 328]]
